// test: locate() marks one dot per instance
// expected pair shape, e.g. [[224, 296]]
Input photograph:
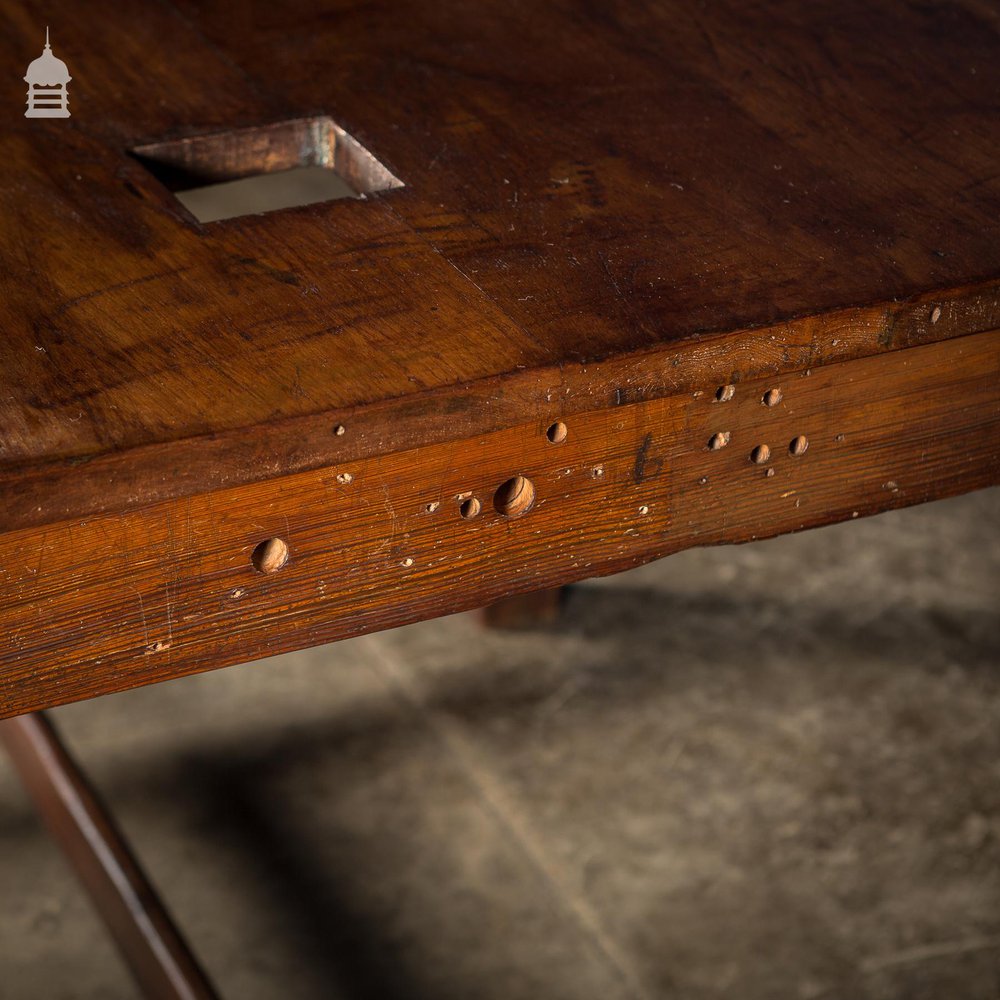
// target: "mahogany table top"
[[627, 278], [581, 182]]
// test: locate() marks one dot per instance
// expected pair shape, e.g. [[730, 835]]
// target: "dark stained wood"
[[36, 495], [152, 946], [608, 214], [378, 542], [628, 278], [583, 182]]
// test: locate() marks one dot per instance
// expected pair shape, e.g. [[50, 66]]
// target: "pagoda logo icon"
[[48, 85]]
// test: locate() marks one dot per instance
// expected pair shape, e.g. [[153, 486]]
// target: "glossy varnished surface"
[[582, 182]]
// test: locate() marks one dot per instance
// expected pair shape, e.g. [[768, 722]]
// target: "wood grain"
[[116, 480], [639, 185], [117, 600]]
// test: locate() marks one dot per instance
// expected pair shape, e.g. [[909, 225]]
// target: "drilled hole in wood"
[[760, 454], [269, 556], [725, 393], [772, 397], [717, 441], [470, 508], [514, 497], [798, 445], [557, 432]]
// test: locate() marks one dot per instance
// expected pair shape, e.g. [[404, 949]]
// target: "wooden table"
[[628, 279]]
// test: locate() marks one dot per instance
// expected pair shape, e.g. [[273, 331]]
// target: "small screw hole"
[[725, 393], [760, 454], [772, 397], [557, 432], [470, 508], [717, 441], [269, 556], [798, 445], [514, 497]]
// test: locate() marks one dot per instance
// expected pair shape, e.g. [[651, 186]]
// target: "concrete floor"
[[755, 772]]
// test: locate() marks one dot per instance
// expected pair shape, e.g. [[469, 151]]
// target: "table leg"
[[524, 611], [152, 946]]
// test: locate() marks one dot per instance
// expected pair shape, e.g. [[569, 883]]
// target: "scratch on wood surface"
[[142, 612], [170, 608], [607, 270], [118, 287], [391, 511]]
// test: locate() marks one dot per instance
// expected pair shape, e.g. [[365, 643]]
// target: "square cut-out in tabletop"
[[262, 169]]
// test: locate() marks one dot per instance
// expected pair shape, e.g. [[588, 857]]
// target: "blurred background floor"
[[761, 771]]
